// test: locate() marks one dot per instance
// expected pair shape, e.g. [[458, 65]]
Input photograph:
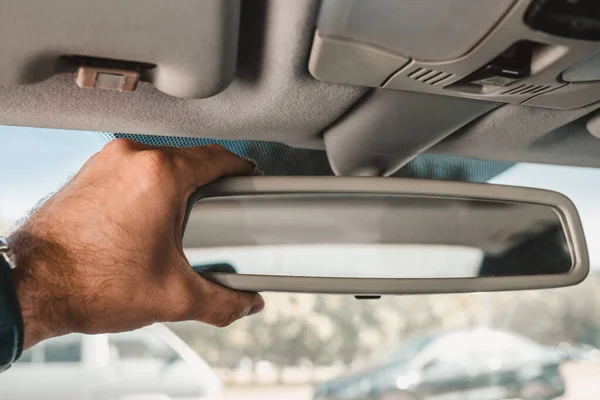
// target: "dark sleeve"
[[11, 320]]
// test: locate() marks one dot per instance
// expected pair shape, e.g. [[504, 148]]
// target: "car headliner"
[[274, 98]]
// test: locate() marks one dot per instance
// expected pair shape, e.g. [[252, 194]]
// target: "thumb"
[[217, 305]]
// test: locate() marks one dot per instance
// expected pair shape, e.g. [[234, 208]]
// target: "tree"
[[326, 329]]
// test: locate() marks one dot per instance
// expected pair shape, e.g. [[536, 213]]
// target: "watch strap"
[[11, 319]]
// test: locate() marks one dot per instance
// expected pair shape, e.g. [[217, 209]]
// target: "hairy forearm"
[[104, 254]]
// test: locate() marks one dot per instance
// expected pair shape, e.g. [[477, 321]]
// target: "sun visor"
[[186, 48]]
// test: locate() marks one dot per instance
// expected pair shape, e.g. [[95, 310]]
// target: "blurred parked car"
[[481, 364], [150, 364], [587, 353], [579, 352]]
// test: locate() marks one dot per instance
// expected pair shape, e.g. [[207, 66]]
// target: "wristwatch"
[[11, 319]]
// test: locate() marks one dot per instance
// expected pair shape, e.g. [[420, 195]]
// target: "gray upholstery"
[[518, 133], [272, 98], [192, 45]]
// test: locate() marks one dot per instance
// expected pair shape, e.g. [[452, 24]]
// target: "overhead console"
[[186, 48], [543, 53]]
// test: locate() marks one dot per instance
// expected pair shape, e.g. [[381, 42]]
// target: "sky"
[[37, 161]]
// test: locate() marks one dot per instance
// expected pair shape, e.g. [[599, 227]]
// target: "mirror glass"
[[374, 236]]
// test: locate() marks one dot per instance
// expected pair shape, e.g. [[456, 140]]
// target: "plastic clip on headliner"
[[106, 78]]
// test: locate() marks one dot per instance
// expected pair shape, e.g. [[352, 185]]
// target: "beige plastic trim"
[[344, 61], [593, 126], [543, 88], [87, 78], [360, 286], [547, 67], [369, 142]]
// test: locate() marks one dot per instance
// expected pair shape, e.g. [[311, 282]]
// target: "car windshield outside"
[[541, 344]]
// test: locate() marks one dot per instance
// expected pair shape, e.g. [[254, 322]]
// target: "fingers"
[[220, 306], [207, 163], [212, 303], [193, 166], [184, 295], [192, 297]]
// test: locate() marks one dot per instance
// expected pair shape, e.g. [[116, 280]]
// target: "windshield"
[[529, 344], [410, 349], [338, 260]]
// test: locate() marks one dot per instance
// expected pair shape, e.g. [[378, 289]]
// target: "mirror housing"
[[267, 212]]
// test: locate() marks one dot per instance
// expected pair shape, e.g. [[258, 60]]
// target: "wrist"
[[32, 289], [11, 322], [34, 330]]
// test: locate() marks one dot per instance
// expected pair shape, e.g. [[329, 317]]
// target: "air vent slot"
[[429, 76], [527, 89]]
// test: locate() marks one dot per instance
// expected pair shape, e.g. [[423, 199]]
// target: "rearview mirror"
[[372, 236]]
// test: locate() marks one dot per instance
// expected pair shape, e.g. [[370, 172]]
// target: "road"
[[283, 392], [582, 383]]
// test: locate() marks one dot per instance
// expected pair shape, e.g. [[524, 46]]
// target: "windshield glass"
[[344, 260], [409, 349], [540, 344]]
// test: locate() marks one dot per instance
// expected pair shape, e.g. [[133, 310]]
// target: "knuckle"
[[224, 319], [154, 157], [215, 148], [227, 314], [156, 164], [207, 302], [119, 146], [223, 324], [214, 152]]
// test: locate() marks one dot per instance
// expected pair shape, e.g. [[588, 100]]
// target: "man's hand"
[[104, 254]]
